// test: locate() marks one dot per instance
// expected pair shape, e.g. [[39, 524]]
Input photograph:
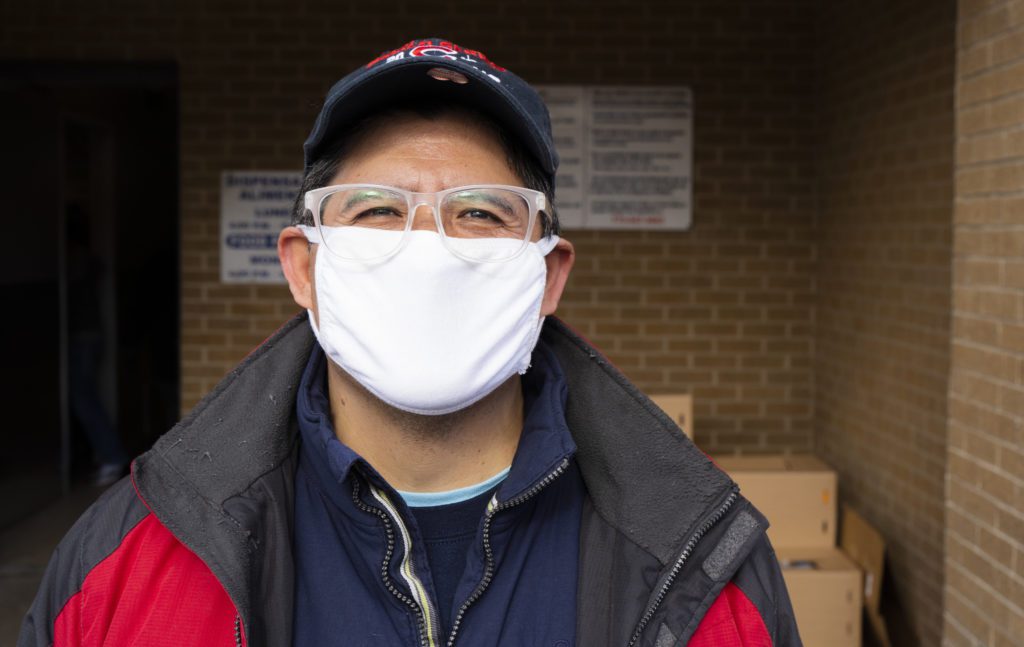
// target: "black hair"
[[520, 161]]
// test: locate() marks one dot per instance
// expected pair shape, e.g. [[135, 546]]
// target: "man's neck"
[[418, 453]]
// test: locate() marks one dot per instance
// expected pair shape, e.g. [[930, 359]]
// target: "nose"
[[423, 216]]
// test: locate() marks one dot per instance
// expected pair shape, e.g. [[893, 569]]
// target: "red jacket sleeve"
[[732, 621]]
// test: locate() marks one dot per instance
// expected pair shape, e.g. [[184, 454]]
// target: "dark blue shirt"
[[350, 586]]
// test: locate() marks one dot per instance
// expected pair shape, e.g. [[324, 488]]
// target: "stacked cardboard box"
[[798, 496]]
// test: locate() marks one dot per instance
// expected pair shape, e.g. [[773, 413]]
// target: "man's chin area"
[[350, 392]]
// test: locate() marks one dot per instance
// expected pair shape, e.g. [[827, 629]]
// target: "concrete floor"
[[25, 549]]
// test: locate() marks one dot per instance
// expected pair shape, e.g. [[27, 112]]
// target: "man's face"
[[421, 155]]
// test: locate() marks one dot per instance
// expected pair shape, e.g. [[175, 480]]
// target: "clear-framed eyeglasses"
[[480, 223]]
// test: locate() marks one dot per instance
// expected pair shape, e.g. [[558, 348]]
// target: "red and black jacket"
[[195, 548]]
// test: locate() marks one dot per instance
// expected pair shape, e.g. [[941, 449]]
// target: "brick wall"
[[884, 245], [985, 496], [724, 310]]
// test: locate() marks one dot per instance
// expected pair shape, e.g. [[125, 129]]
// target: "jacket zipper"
[[678, 566], [408, 571], [492, 509], [238, 631], [426, 639]]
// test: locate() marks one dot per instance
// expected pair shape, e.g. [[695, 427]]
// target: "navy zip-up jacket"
[[352, 575]]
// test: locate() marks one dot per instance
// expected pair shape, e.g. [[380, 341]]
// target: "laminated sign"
[[626, 155], [254, 207]]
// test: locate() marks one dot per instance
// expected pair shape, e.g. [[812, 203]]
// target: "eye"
[[377, 212], [481, 214]]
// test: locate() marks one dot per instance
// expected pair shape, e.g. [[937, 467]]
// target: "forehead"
[[413, 151]]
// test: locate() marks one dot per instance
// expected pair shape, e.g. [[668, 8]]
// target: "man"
[[421, 458]]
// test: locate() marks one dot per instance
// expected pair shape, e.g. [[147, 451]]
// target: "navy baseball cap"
[[436, 67]]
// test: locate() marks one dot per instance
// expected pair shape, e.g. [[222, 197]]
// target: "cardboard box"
[[679, 407], [796, 493], [798, 496], [826, 591], [865, 546]]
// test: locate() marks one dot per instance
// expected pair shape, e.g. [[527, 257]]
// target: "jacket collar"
[[645, 477]]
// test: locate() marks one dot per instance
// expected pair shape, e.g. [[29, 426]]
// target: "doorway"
[[91, 175]]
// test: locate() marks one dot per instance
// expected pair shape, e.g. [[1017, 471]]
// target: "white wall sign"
[[254, 207], [626, 155]]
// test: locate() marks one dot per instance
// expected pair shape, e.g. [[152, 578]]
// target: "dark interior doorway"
[[89, 276]]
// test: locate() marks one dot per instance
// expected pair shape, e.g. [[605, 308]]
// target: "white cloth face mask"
[[424, 330]]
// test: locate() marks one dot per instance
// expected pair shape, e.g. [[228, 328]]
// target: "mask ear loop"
[[545, 245], [311, 233]]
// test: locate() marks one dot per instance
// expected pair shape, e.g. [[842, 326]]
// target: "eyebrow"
[[489, 198], [360, 197]]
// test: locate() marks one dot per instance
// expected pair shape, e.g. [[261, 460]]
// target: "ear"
[[559, 262], [296, 260]]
